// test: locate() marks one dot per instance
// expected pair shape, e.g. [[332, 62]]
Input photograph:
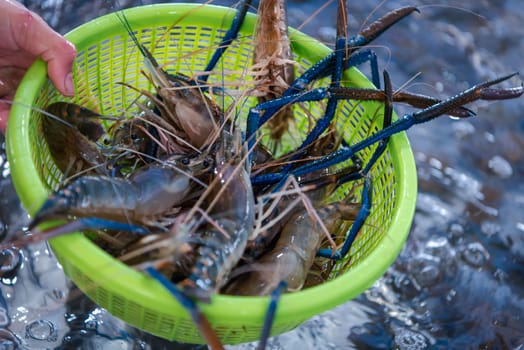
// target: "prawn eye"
[[185, 161]]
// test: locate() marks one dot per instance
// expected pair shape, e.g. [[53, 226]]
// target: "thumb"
[[59, 60]]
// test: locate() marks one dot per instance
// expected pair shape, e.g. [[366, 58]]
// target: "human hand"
[[24, 37]]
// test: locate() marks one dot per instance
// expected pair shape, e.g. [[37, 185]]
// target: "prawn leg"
[[197, 316], [382, 144]]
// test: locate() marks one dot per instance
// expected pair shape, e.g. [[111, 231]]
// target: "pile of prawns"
[[184, 192]]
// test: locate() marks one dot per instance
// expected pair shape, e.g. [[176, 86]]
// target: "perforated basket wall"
[[183, 38]]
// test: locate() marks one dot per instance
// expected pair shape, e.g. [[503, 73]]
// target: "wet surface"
[[459, 281]]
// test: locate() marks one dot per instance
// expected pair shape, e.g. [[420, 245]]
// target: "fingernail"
[[69, 85]]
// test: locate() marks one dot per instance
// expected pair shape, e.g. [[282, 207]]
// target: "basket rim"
[[294, 307]]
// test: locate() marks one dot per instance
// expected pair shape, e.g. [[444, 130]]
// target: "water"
[[459, 281]]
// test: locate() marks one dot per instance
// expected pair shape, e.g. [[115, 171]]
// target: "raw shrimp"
[[71, 132], [293, 254], [147, 194], [272, 62], [232, 210], [181, 100]]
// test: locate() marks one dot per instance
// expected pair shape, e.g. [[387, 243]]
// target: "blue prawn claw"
[[270, 314], [481, 91], [197, 316]]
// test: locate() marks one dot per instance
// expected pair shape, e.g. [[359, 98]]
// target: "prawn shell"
[[290, 259]]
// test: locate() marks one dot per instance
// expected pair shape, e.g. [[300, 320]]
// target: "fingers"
[[33, 35], [9, 79], [4, 112]]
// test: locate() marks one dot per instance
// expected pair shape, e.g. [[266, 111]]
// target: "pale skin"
[[24, 36]]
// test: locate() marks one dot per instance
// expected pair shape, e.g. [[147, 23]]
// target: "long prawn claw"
[[362, 215], [481, 91], [86, 223], [379, 26], [367, 191], [415, 100], [455, 103], [228, 38], [93, 224], [199, 319], [270, 314]]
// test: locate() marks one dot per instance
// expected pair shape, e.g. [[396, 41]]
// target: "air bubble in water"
[[456, 232], [490, 228], [42, 330], [405, 286], [406, 339], [425, 269], [440, 248], [10, 261], [475, 255]]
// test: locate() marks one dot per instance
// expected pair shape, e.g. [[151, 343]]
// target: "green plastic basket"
[[106, 55]]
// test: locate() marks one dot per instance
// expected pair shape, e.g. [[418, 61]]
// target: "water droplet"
[[439, 247], [435, 163], [425, 270], [456, 229], [10, 261], [451, 295], [475, 254], [428, 275], [456, 232], [406, 339], [405, 286], [500, 167], [500, 275], [490, 228], [41, 330], [90, 324]]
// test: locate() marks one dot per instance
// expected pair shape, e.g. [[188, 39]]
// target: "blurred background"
[[459, 281]]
